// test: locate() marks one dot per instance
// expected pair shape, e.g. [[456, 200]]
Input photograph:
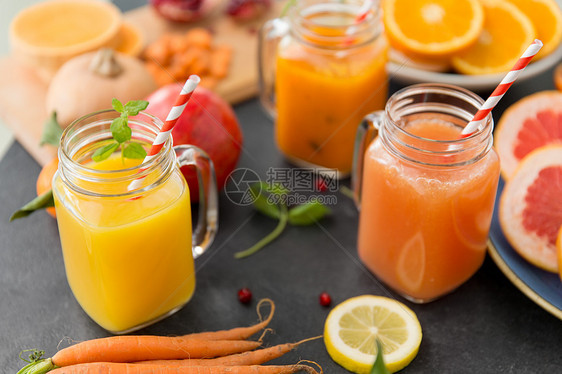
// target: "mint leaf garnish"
[[134, 150], [134, 107], [104, 152], [116, 104]]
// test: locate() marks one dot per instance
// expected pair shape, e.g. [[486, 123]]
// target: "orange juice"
[[423, 228], [128, 261], [329, 72]]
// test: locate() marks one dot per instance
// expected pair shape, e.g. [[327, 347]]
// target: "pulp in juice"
[[128, 261], [321, 98], [423, 230]]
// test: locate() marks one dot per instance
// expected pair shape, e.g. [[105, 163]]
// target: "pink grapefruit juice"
[[423, 229]]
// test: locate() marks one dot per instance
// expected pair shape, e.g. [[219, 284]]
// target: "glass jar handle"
[[269, 37], [207, 222], [367, 131]]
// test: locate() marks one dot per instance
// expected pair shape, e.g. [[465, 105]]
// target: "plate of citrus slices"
[[526, 230], [469, 43]]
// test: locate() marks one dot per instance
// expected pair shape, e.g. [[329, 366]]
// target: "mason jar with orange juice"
[[426, 194], [128, 252], [321, 72]]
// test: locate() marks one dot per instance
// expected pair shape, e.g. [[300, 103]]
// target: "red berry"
[[325, 299], [321, 185], [245, 295]]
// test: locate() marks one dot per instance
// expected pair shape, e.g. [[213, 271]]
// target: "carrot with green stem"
[[123, 368], [138, 348], [256, 357]]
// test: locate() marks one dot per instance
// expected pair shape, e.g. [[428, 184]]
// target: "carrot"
[[238, 333], [118, 368], [247, 358], [144, 347]]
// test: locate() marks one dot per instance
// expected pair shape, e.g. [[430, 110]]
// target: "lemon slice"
[[352, 327]]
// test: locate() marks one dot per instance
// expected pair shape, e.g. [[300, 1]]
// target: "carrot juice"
[[127, 261], [423, 230], [320, 102], [329, 72]]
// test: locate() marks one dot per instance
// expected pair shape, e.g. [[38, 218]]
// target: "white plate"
[[409, 75]]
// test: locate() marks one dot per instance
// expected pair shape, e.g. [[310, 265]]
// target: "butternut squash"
[[88, 82], [47, 34]]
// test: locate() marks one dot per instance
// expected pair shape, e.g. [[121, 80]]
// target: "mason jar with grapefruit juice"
[[128, 253], [321, 72], [426, 195]]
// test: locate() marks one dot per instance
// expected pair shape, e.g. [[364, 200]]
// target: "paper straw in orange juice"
[[500, 90], [164, 134]]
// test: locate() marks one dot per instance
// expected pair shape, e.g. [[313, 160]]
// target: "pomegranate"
[[247, 10], [207, 122], [184, 10]]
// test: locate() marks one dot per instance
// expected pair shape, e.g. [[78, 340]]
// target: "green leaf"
[[135, 106], [104, 152], [52, 131], [307, 214], [42, 201], [120, 131], [283, 216], [261, 202], [117, 105], [134, 150], [379, 367]]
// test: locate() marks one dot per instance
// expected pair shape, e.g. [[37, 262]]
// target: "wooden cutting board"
[[22, 93]]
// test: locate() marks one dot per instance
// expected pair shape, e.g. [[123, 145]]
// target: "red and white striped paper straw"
[[364, 10], [501, 89], [164, 134]]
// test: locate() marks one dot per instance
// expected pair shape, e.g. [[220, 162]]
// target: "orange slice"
[[530, 210], [528, 124], [432, 28], [547, 19], [506, 34]]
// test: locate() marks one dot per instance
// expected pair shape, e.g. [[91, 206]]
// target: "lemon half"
[[352, 327]]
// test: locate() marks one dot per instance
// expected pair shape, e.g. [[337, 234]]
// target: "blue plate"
[[543, 287]]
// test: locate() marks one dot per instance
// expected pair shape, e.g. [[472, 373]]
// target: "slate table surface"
[[486, 326]]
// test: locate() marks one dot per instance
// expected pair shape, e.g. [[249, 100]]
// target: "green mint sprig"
[[299, 215], [122, 133]]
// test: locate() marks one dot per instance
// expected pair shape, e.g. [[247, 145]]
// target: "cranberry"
[[321, 185], [245, 295], [325, 299]]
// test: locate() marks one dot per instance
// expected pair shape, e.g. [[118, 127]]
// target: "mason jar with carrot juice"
[[128, 252], [426, 195], [321, 72]]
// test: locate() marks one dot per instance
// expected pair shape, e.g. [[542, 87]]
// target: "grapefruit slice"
[[559, 249], [530, 209], [528, 124]]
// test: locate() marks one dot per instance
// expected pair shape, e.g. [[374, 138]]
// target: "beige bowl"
[[46, 35]]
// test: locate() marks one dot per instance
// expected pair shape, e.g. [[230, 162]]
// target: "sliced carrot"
[[118, 368], [257, 357], [220, 61], [199, 37], [138, 348]]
